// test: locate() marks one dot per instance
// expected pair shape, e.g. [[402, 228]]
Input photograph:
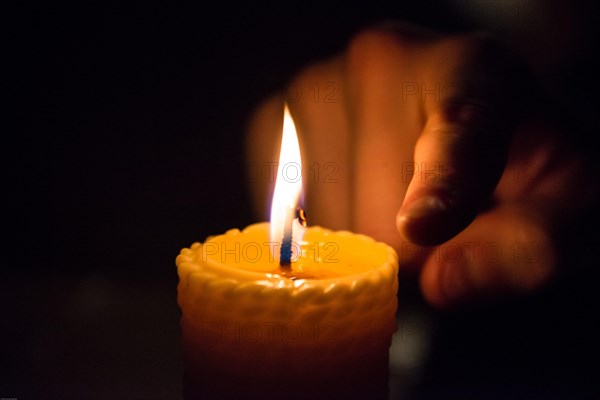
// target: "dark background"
[[128, 146]]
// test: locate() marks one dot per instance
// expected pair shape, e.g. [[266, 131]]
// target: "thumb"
[[461, 152]]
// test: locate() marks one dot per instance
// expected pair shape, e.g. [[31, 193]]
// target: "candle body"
[[249, 331]]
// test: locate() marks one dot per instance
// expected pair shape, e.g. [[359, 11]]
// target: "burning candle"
[[283, 311]]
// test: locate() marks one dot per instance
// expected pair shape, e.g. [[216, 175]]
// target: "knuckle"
[[468, 111], [307, 75], [375, 45], [483, 42], [374, 37]]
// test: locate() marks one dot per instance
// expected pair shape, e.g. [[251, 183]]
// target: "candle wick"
[[285, 254], [301, 215]]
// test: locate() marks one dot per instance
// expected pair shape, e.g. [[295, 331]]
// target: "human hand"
[[435, 145]]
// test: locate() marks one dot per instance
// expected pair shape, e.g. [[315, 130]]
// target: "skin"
[[440, 147]]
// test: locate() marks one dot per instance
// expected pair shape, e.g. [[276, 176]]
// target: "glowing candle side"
[[249, 330]]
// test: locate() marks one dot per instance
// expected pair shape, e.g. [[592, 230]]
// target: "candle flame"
[[288, 184]]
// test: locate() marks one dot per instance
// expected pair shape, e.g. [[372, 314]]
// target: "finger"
[[471, 104], [505, 251], [384, 127]]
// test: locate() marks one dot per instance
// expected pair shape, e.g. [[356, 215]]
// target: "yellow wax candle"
[[310, 320], [251, 328]]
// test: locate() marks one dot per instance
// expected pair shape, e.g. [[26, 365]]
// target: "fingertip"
[[446, 285], [429, 221]]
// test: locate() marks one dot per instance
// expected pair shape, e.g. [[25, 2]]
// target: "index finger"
[[464, 142]]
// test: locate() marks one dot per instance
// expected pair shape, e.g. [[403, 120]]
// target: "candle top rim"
[[194, 260]]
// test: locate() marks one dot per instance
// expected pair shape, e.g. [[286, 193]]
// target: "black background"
[[128, 146]]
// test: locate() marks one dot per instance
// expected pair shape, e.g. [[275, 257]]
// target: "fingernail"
[[422, 207], [424, 221]]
